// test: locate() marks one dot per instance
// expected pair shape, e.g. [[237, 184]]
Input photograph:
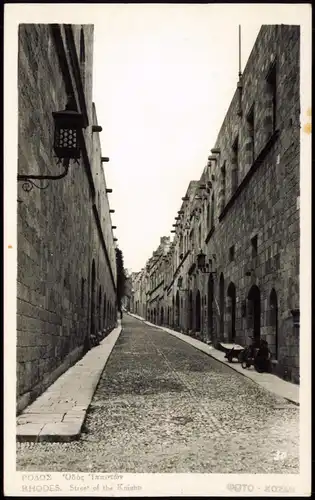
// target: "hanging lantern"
[[68, 123]]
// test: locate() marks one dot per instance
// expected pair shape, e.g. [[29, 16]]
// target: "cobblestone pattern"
[[57, 232], [163, 406]]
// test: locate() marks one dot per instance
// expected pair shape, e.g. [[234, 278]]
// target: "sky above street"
[[163, 78]]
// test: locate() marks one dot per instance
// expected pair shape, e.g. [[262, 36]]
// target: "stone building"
[[149, 285], [138, 293], [127, 299], [66, 276], [243, 214]]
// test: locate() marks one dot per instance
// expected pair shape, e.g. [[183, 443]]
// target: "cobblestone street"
[[163, 406]]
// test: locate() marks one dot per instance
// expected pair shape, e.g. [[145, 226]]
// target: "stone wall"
[[266, 204], [59, 236]]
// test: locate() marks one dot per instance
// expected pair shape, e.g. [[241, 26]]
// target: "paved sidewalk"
[[268, 381], [58, 413]]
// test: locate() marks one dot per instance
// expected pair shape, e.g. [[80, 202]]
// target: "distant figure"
[[262, 359]]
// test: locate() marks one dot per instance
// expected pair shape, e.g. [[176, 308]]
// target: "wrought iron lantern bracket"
[[68, 125], [28, 180]]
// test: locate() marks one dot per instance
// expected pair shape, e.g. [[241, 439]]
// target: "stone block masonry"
[[66, 275]]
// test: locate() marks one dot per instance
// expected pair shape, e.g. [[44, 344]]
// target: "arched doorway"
[[190, 311], [93, 326], [231, 311], [177, 310], [254, 312], [154, 316], [198, 312], [221, 294], [210, 308], [273, 304], [162, 316]]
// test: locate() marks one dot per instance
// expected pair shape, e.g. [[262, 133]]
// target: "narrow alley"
[[163, 406]]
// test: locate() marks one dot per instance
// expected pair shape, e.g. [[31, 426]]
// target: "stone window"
[[271, 100], [181, 244], [250, 145], [234, 169], [212, 211], [254, 242], [208, 215], [232, 253], [192, 239], [222, 186]]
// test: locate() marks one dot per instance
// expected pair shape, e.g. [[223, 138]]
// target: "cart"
[[232, 351]]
